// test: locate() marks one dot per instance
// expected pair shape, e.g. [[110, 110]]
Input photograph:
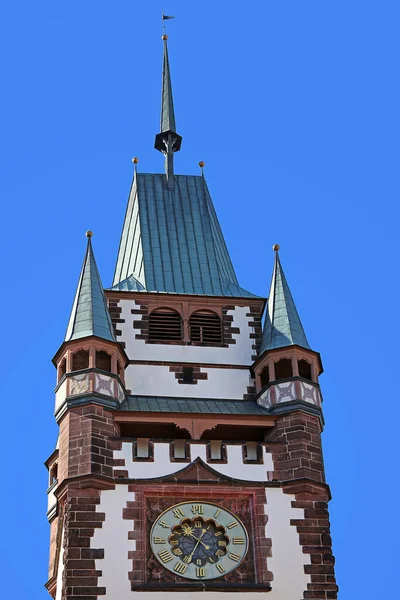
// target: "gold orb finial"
[[89, 233], [135, 160], [201, 164], [165, 37], [276, 247]]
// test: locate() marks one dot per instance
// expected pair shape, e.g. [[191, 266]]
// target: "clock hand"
[[198, 542], [196, 538]]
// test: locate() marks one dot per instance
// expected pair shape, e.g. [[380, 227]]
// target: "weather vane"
[[165, 18]]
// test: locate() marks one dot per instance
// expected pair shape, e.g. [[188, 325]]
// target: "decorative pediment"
[[199, 472]]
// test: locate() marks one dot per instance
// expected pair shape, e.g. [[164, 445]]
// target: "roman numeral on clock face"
[[200, 572], [165, 556], [232, 524], [158, 540], [234, 556], [180, 568], [178, 513], [164, 524], [220, 568], [238, 541]]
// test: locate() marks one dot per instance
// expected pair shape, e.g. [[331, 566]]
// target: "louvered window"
[[103, 360], [165, 325], [80, 360], [205, 327]]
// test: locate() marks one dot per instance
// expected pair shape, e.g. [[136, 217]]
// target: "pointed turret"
[[285, 355], [90, 362], [282, 322], [89, 315], [167, 141]]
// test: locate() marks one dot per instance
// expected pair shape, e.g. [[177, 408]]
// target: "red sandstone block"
[[316, 559], [325, 587], [302, 504], [92, 553], [296, 435], [328, 559], [81, 581], [319, 579], [87, 532], [315, 549], [309, 539], [81, 564], [318, 569], [78, 542], [326, 540], [304, 522], [72, 553], [88, 591], [69, 597]]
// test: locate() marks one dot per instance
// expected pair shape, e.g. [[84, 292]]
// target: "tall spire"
[[89, 315], [282, 322], [167, 141]]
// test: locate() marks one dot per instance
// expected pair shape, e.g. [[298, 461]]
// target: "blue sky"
[[294, 107]]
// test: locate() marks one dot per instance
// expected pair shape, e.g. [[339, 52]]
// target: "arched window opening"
[[62, 369], [165, 325], [264, 377], [103, 360], [80, 360], [205, 327], [305, 369], [283, 369]]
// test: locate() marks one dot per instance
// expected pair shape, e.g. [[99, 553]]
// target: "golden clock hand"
[[198, 542], [196, 538]]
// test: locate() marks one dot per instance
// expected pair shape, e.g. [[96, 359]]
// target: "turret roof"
[[89, 315], [282, 325]]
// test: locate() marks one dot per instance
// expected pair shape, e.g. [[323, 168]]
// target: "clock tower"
[[189, 452]]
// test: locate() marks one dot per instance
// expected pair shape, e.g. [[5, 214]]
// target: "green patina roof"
[[282, 325], [192, 405], [172, 241], [89, 315]]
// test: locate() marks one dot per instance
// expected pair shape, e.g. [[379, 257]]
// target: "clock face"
[[198, 540]]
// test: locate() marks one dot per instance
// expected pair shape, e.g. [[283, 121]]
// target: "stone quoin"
[[189, 454]]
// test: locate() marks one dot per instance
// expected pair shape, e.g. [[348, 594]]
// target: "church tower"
[[189, 452]]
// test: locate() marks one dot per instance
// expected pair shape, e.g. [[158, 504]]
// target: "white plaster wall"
[[287, 561], [60, 395], [113, 537], [236, 354], [60, 569], [162, 464], [158, 380]]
